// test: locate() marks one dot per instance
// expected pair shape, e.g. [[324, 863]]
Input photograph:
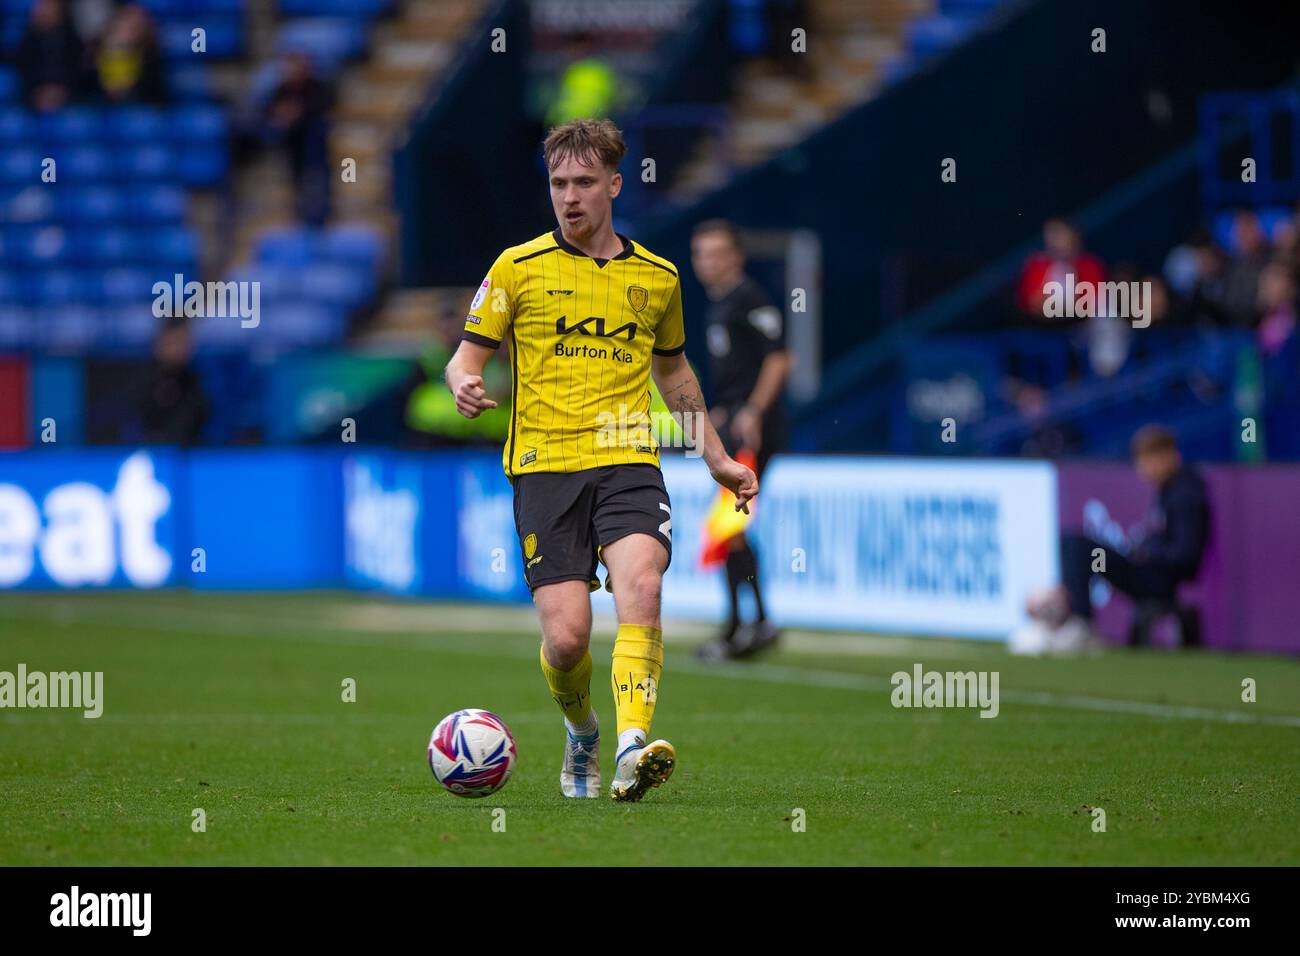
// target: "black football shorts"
[[564, 518]]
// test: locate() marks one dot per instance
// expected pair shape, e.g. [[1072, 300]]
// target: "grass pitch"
[[232, 704]]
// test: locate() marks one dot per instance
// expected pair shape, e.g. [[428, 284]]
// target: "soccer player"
[[589, 316], [746, 340]]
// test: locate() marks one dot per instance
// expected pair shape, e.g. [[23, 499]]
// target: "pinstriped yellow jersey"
[[581, 333]]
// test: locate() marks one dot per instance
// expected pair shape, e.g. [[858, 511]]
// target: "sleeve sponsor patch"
[[481, 294], [472, 320], [767, 320]]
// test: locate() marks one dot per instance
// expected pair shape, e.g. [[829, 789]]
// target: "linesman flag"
[[724, 521]]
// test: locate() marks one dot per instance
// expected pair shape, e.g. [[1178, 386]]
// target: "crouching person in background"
[[1166, 552]]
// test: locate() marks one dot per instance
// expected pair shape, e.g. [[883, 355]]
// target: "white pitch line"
[[255, 624], [791, 675]]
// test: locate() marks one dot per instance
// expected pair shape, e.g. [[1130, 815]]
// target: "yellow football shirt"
[[581, 332]]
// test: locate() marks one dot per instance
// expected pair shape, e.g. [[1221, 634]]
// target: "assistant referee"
[[749, 364]]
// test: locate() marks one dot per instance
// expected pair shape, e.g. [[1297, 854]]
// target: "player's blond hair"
[[589, 141]]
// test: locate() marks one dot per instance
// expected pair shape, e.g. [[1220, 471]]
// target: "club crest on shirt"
[[637, 297], [530, 546]]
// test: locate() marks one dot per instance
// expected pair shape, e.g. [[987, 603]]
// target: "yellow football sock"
[[638, 661], [571, 689]]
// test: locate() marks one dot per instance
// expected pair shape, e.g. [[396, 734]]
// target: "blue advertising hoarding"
[[902, 545]]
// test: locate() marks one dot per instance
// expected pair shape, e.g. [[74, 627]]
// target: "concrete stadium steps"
[[408, 316], [376, 98], [849, 43]]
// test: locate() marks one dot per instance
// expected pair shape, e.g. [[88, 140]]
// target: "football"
[[472, 753]]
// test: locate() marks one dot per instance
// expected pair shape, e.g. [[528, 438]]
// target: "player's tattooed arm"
[[681, 393]]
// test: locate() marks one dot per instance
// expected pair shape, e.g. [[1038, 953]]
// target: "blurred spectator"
[[1209, 297], [51, 57], [588, 88], [1279, 346], [93, 16], [1241, 280], [1277, 308], [173, 408], [1062, 255], [298, 117], [1182, 268], [431, 417], [128, 58], [1165, 553], [1286, 243]]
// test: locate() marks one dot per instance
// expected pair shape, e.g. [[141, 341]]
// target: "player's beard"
[[579, 231]]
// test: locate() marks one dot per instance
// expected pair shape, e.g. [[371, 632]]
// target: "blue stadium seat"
[[203, 165], [333, 8], [16, 125], [17, 327], [166, 8], [13, 288], [126, 284], [191, 82], [175, 249], [215, 331], [71, 329], [132, 326], [302, 325], [204, 125], [73, 126], [288, 246], [930, 36], [84, 164], [353, 244], [1270, 217], [148, 163], [329, 40], [37, 245], [163, 204], [967, 8], [91, 204], [61, 287], [136, 125], [10, 88], [347, 286], [35, 204], [275, 281], [897, 69], [112, 246], [20, 164]]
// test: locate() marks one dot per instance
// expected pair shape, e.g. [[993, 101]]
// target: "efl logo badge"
[[481, 294], [637, 297]]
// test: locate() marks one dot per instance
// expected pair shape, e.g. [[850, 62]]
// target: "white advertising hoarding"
[[899, 545]]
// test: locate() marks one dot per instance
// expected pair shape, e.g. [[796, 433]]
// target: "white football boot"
[[641, 768], [580, 773]]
